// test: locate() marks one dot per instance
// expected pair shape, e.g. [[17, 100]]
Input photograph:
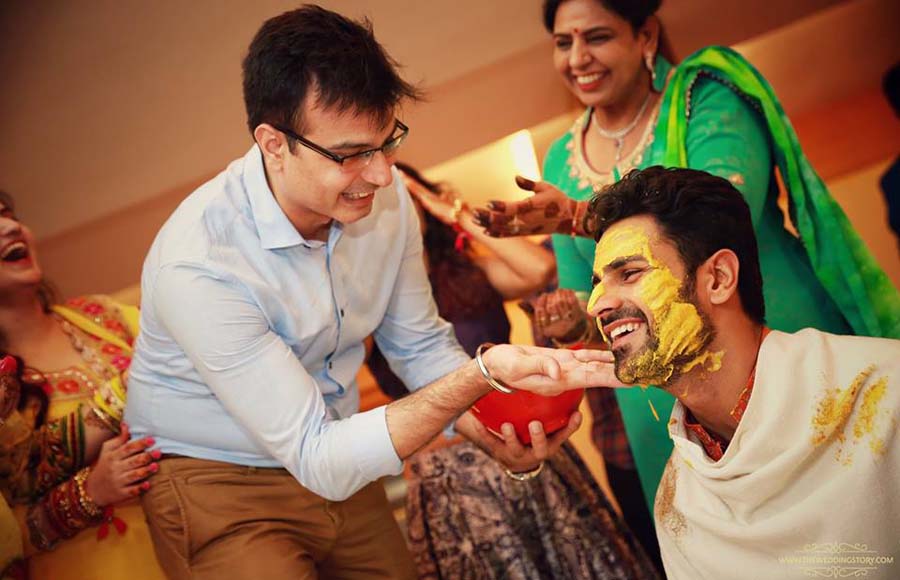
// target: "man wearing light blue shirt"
[[257, 295]]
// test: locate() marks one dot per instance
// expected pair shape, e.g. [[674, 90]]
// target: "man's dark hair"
[[891, 86], [636, 12], [313, 49], [699, 212]]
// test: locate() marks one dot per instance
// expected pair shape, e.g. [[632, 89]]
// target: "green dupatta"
[[840, 259]]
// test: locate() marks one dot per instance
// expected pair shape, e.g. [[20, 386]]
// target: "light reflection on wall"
[[488, 172], [523, 156]]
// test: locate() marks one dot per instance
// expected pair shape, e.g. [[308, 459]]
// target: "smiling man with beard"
[[786, 461]]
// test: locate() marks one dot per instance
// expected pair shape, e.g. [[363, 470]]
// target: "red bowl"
[[522, 407]]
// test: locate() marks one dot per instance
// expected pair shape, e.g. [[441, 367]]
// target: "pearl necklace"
[[619, 135]]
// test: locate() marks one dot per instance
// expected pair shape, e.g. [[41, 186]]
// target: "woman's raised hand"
[[440, 206], [548, 211], [559, 315]]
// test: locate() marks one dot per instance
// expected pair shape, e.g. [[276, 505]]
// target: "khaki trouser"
[[210, 519]]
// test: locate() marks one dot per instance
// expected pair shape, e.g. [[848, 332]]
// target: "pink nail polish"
[[154, 467], [150, 441], [156, 454]]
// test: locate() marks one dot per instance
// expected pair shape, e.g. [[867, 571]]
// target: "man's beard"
[[656, 364]]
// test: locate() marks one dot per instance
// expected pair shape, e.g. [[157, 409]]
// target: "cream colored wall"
[[860, 195], [93, 95]]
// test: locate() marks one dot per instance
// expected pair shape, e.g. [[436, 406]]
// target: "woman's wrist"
[[85, 481], [578, 337], [524, 475], [456, 210], [579, 210], [63, 512]]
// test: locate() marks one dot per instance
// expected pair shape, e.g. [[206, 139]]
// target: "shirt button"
[[330, 365], [342, 312]]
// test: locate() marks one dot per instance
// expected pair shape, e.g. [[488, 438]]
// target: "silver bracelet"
[[494, 383], [525, 475]]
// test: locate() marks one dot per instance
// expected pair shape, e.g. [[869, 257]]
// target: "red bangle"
[[462, 238]]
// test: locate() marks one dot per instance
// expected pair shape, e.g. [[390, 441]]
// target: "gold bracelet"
[[494, 383], [525, 475], [458, 206], [575, 219], [88, 505]]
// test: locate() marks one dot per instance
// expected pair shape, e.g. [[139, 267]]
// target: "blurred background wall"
[[113, 111]]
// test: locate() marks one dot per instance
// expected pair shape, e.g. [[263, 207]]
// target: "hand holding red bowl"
[[522, 407]]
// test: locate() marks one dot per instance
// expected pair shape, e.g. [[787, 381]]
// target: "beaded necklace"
[[619, 135], [581, 170]]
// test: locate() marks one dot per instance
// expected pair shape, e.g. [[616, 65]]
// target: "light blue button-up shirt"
[[252, 336]]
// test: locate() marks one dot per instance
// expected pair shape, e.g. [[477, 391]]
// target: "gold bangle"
[[88, 505], [575, 221], [457, 209], [494, 383], [525, 475]]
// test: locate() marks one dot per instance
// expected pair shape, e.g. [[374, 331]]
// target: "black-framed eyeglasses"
[[355, 161]]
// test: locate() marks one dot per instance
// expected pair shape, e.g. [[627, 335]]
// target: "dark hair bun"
[[636, 12]]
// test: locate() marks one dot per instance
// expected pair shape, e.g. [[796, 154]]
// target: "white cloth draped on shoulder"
[[809, 485]]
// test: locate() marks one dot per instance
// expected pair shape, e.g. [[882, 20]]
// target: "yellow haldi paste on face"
[[676, 325]]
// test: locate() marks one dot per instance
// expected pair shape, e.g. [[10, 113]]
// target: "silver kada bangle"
[[494, 383], [526, 475]]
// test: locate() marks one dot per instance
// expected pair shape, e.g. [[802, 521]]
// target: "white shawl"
[[809, 485]]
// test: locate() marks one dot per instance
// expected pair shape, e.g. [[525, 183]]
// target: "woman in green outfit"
[[712, 112]]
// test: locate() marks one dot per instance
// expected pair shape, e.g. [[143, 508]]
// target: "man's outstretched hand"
[[548, 371]]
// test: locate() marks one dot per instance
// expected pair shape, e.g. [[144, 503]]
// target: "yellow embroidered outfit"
[[34, 462]]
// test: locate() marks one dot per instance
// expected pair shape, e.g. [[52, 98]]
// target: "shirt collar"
[[714, 445], [274, 228]]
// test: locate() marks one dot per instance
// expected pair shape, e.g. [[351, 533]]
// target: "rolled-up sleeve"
[[261, 383]]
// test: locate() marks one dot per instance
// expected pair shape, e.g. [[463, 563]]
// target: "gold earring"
[[648, 61]]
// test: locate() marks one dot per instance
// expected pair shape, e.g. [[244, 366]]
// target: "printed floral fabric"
[[468, 519]]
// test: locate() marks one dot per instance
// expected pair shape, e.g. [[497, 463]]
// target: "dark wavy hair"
[[699, 212], [313, 49], [456, 281], [635, 12], [890, 84], [30, 391]]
